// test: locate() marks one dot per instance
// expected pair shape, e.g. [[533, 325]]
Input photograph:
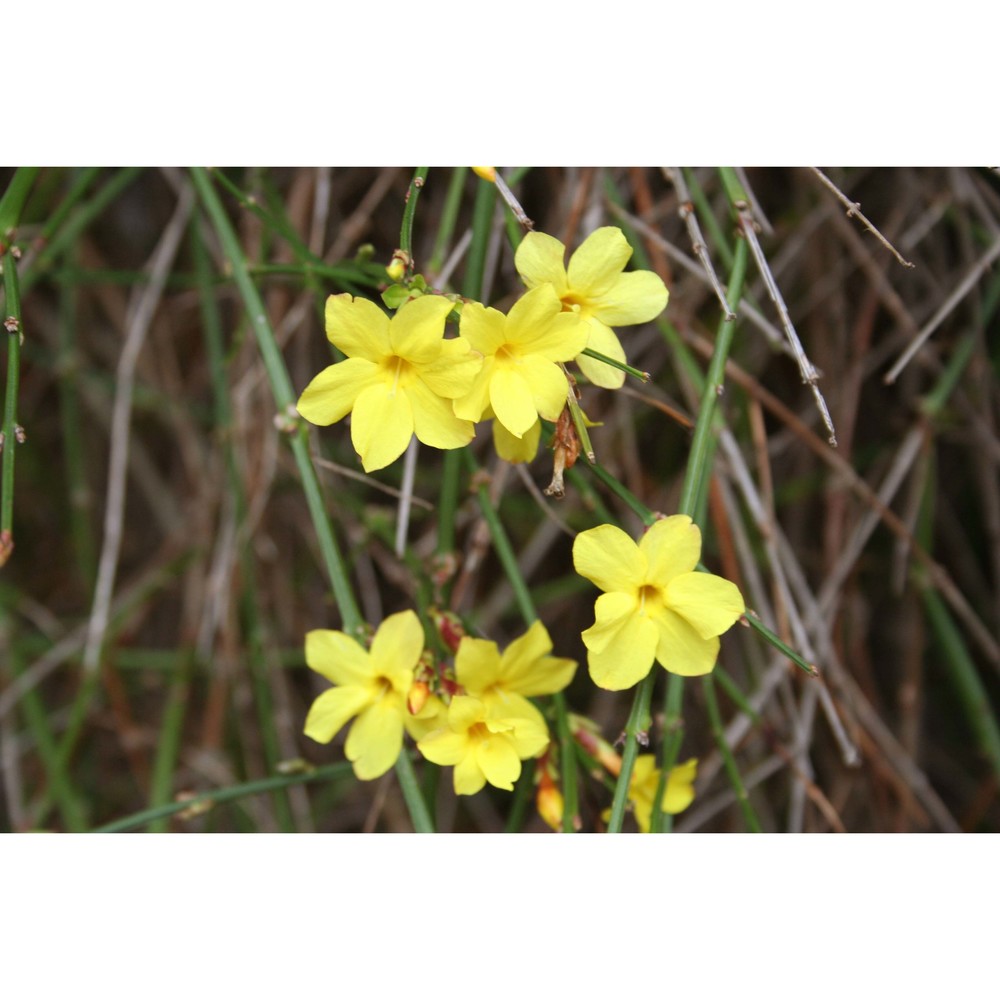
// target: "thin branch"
[[809, 374], [686, 211], [854, 209], [964, 287]]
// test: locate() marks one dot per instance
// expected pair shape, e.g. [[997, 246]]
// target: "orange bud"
[[417, 697], [549, 802]]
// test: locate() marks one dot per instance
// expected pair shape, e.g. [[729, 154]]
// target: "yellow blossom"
[[504, 682], [678, 793], [371, 687], [399, 378], [655, 605], [520, 379], [595, 288], [482, 746]]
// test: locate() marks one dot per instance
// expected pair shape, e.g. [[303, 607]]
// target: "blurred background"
[[878, 559]]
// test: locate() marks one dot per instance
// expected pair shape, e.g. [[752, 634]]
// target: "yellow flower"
[[655, 605], [505, 682], [482, 746], [371, 688], [398, 379], [520, 379], [678, 793], [595, 288]]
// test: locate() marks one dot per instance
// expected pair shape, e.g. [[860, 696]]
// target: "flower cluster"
[[485, 730], [401, 376]]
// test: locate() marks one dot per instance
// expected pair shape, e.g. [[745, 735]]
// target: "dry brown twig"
[[854, 209]]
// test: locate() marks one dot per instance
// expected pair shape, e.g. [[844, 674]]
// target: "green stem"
[[702, 443], [708, 685], [12, 320], [168, 745], [620, 365], [419, 814], [410, 209], [223, 795], [636, 729], [449, 217], [482, 220], [968, 684], [12, 202], [673, 736]]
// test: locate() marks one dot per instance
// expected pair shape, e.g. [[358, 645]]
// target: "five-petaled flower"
[[678, 792], [596, 289], [399, 378], [655, 605], [484, 743], [520, 379], [504, 682], [371, 688]]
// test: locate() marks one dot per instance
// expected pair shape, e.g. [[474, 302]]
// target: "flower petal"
[[634, 297], [477, 664], [474, 404], [444, 747], [603, 340], [381, 426], [337, 657], [627, 657], [539, 259], [468, 776], [547, 384], [396, 648], [417, 329], [607, 557], [710, 604], [679, 793], [672, 546], [453, 373], [331, 395], [376, 738], [434, 420], [531, 315], [357, 327], [598, 261], [512, 449], [511, 400], [332, 710], [681, 650], [530, 734], [498, 761], [526, 667], [485, 329], [562, 338]]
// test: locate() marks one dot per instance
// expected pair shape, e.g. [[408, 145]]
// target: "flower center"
[[396, 372], [650, 600], [383, 686], [506, 355], [574, 302]]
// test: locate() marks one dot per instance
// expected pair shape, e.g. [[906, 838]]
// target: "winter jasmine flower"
[[595, 288], [520, 379], [655, 605], [399, 378], [482, 746], [371, 687]]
